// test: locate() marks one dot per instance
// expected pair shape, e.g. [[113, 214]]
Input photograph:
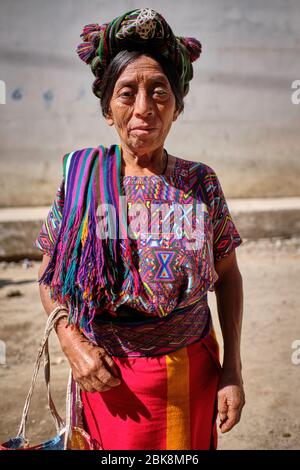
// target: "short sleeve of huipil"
[[47, 236], [225, 233]]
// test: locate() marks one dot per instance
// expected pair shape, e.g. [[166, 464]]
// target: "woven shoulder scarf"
[[87, 269]]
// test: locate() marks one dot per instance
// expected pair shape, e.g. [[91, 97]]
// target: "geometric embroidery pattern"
[[164, 272]]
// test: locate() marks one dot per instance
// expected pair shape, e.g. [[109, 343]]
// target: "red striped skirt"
[[165, 402]]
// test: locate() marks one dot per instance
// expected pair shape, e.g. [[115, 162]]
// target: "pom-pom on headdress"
[[137, 29]]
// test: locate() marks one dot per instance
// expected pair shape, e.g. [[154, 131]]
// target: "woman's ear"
[[175, 115], [109, 118]]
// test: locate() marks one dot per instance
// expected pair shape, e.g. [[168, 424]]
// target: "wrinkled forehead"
[[142, 69]]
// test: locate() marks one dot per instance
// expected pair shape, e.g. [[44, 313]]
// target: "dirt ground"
[[271, 417]]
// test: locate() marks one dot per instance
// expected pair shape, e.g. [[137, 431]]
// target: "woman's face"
[[143, 106]]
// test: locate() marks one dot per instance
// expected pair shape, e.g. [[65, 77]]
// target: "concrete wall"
[[239, 117]]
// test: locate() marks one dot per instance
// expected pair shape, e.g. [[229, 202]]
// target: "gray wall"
[[239, 117]]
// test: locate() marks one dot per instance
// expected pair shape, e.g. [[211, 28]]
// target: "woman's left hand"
[[231, 399]]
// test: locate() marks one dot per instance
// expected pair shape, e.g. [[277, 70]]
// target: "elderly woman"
[[135, 239]]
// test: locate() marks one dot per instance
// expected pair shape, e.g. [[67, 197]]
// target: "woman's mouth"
[[142, 130]]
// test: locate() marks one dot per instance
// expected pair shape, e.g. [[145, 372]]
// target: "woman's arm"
[[229, 295], [49, 305], [91, 365]]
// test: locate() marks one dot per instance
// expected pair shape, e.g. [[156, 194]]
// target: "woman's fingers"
[[106, 378], [233, 417], [85, 386], [111, 364], [109, 373], [93, 385], [99, 380], [222, 407], [230, 404], [94, 369]]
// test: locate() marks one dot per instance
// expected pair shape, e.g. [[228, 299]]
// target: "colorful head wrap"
[[137, 29]]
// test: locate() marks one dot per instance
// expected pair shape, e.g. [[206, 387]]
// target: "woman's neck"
[[143, 164]]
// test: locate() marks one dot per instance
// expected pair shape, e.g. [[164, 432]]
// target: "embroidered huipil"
[[179, 225]]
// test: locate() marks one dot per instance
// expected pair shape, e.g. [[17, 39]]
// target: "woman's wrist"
[[66, 333], [232, 373], [232, 363]]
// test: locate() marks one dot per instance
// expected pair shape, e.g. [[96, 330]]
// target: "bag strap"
[[58, 421], [43, 352], [73, 410]]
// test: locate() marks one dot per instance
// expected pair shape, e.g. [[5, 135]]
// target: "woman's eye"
[[127, 94], [159, 91]]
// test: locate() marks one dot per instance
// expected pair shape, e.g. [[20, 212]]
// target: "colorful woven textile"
[[153, 337], [90, 265], [166, 402], [175, 279], [136, 29]]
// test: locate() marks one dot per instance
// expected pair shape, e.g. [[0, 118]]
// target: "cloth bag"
[[70, 433]]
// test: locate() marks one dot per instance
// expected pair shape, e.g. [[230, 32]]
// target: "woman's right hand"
[[93, 369]]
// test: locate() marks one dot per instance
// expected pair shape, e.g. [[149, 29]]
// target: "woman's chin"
[[143, 143]]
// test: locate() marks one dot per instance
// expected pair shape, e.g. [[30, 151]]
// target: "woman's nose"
[[143, 104]]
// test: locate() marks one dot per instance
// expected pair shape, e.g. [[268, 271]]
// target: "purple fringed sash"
[[85, 270]]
